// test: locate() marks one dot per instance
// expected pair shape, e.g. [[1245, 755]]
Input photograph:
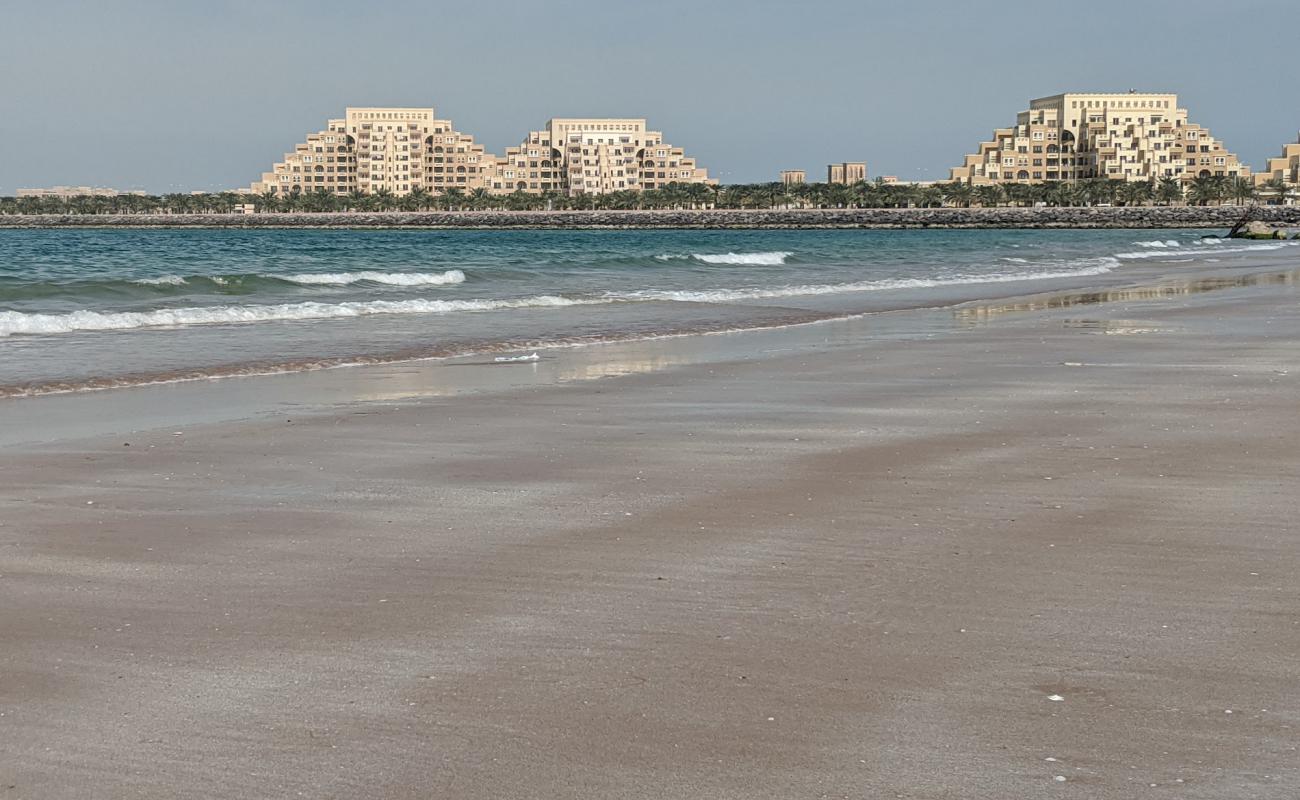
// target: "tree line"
[[1205, 190]]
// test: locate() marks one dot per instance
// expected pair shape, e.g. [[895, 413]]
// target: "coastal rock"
[[1069, 217]]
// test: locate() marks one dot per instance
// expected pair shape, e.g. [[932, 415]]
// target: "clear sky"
[[175, 95]]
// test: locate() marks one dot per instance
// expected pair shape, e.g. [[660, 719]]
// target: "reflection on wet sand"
[[413, 382], [980, 314], [1116, 327]]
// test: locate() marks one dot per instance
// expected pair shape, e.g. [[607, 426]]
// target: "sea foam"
[[771, 259], [1217, 250], [15, 322], [451, 276], [165, 280], [1080, 268]]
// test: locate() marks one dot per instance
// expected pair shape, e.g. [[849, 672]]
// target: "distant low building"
[[889, 179], [846, 172], [1285, 168], [790, 177], [75, 191]]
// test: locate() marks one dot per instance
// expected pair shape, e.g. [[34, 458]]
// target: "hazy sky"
[[177, 95]]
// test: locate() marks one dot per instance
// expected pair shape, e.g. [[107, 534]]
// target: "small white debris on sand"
[[1056, 698], [1059, 779]]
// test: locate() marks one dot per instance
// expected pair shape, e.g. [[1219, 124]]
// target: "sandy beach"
[[1031, 548]]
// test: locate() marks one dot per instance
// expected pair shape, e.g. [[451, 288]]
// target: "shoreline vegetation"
[[1093, 192], [1093, 203], [719, 218]]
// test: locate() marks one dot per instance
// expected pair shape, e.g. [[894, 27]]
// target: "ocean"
[[99, 308]]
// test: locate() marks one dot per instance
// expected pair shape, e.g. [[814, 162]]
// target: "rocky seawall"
[[1140, 217]]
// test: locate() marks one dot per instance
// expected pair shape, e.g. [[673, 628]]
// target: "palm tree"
[[926, 197], [1169, 190], [454, 198], [384, 200], [1060, 193], [869, 195], [177, 203], [1099, 190], [318, 200], [1036, 193], [519, 200], [989, 195], [904, 195], [1242, 189], [959, 193], [416, 200], [1015, 193], [1135, 193], [1208, 189], [1279, 189]]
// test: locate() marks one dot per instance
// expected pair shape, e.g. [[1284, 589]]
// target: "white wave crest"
[[15, 322], [1081, 268], [772, 259], [1159, 243], [451, 276], [1221, 249], [165, 280]]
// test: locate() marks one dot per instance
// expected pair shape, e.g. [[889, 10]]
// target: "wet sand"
[[836, 566]]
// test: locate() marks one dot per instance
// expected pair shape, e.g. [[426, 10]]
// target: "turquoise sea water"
[[87, 308]]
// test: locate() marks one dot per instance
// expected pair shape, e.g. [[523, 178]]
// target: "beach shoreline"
[[1140, 217], [1029, 547], [955, 300]]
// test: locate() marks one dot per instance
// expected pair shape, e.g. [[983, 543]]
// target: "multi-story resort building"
[[372, 150], [791, 177], [1285, 167], [846, 172], [399, 150], [1076, 136], [595, 156]]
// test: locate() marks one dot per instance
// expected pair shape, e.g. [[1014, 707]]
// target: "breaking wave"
[[451, 276], [165, 280], [1085, 267], [16, 323], [1217, 250], [770, 259]]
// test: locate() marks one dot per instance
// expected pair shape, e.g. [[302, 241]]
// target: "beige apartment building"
[[370, 150], [1285, 167], [399, 150], [595, 156], [792, 177], [1074, 136], [847, 172]]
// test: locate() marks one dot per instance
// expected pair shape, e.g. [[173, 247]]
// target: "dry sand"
[[866, 570]]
